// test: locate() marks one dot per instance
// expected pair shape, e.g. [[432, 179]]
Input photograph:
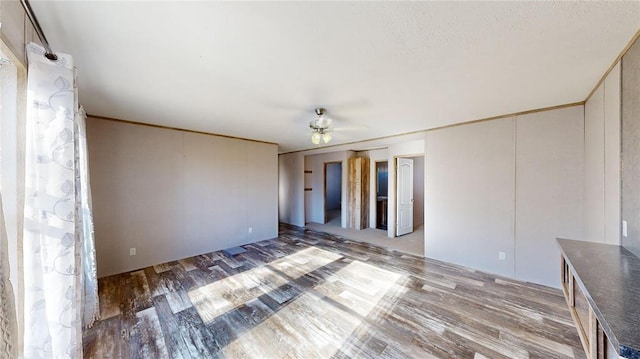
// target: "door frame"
[[395, 187], [324, 195], [375, 171]]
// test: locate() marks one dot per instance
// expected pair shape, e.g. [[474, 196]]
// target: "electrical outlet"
[[624, 228], [132, 251], [502, 255], [250, 229]]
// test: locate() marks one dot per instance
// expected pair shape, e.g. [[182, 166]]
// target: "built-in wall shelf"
[[308, 181], [601, 283]]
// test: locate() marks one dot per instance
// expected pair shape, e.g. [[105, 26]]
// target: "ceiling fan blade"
[[347, 106], [310, 105], [286, 107], [352, 128]]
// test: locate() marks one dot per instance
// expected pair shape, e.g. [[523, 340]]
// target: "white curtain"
[[85, 218], [58, 230]]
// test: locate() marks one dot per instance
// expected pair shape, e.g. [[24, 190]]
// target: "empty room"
[[311, 179]]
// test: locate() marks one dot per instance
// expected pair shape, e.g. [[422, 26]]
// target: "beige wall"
[[511, 185], [612, 140], [549, 203], [594, 167], [602, 162], [470, 193], [630, 137], [16, 30], [173, 194], [291, 189]]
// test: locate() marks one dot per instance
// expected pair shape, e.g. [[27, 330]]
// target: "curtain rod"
[[36, 25]]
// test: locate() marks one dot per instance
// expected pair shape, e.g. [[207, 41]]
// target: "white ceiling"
[[257, 70]]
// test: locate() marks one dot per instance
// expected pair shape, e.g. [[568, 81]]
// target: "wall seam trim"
[[515, 190], [620, 157], [604, 159]]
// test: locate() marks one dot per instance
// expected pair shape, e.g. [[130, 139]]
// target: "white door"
[[404, 184]]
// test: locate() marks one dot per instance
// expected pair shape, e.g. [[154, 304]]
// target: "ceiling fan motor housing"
[[320, 124]]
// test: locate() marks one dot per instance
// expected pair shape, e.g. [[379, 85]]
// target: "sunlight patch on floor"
[[316, 324], [226, 294]]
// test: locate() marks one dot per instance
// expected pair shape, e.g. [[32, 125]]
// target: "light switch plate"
[[624, 228]]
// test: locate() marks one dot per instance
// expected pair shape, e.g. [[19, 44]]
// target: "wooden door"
[[358, 193]]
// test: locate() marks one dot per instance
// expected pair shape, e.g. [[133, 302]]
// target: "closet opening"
[[333, 193], [382, 188]]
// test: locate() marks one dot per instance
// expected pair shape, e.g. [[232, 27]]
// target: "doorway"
[[409, 194], [333, 193], [382, 191]]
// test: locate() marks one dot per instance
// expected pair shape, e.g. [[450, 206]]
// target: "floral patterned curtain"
[[58, 234], [9, 335], [8, 323]]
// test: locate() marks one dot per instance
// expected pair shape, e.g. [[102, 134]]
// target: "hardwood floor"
[[312, 295]]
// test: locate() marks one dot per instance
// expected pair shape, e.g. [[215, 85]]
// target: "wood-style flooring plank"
[[309, 294], [109, 292], [148, 336], [103, 340]]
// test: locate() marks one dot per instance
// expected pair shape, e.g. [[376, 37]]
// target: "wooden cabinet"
[[594, 340], [601, 283], [358, 193]]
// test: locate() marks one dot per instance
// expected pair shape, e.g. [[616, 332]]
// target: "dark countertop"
[[609, 276]]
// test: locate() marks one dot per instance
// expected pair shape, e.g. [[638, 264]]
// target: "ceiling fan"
[[320, 127]]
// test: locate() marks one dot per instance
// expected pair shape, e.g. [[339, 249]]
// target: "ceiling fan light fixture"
[[315, 138], [320, 127]]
